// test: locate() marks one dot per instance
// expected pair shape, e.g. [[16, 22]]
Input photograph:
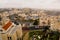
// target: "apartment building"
[[54, 23], [10, 31], [8, 37], [43, 19], [13, 34], [22, 15]]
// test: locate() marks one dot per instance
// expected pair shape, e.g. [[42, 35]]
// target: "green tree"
[[36, 22]]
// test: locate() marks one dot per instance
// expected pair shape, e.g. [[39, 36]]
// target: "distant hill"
[[30, 10], [52, 13]]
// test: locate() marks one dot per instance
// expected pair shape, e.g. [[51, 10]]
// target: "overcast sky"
[[44, 4]]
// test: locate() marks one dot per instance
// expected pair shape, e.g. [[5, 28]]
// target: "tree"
[[36, 22]]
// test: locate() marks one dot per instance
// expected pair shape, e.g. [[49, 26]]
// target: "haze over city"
[[43, 4]]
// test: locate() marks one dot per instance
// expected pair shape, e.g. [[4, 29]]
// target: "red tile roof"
[[6, 26]]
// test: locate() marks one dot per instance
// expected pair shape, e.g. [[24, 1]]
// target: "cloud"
[[44, 4]]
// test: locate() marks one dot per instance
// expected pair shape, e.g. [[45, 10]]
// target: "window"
[[0, 18], [1, 30], [18, 38], [9, 38]]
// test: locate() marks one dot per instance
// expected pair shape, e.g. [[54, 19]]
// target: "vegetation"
[[36, 22], [41, 35]]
